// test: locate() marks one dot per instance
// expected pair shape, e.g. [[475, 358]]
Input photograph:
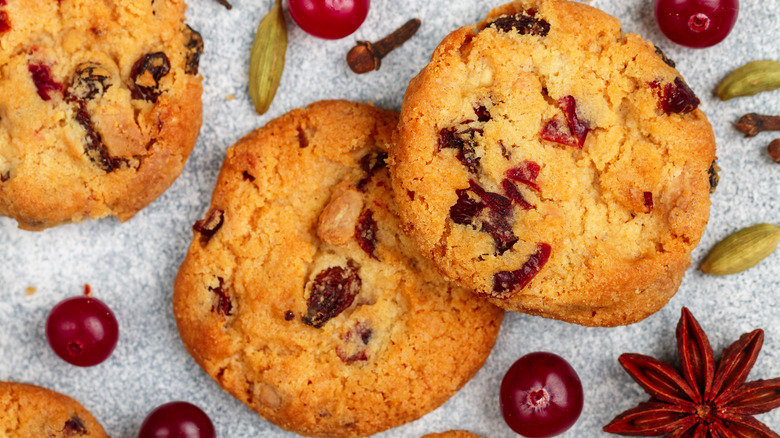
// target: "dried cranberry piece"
[[209, 225], [332, 291], [483, 115], [89, 81], [676, 97], [525, 173], [247, 176], [504, 281], [371, 163], [464, 142], [665, 58], [365, 232], [499, 227], [94, 148], [522, 23], [448, 139], [5, 24], [557, 131], [194, 48], [496, 221], [289, 315], [44, 83], [648, 198], [578, 128], [714, 178], [5, 176], [466, 208], [573, 133], [146, 74], [223, 306], [356, 340], [515, 195], [75, 426], [467, 155]]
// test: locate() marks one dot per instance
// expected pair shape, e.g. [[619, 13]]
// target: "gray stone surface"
[[131, 266]]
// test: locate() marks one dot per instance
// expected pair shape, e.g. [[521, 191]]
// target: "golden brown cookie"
[[555, 164], [301, 296], [100, 106], [29, 411]]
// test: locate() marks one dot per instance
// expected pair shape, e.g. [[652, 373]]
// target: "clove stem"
[[225, 3], [751, 124]]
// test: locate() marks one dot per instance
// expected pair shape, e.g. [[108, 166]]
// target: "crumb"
[[30, 290], [87, 290], [230, 97]]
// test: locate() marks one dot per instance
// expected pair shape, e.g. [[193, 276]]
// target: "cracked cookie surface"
[[554, 164], [100, 106], [29, 411], [301, 296]]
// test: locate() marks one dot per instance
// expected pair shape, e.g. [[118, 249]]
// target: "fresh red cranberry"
[[82, 331], [696, 23], [327, 18], [541, 395], [177, 419]]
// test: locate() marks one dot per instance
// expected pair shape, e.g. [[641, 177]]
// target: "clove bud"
[[751, 124], [774, 150], [365, 56]]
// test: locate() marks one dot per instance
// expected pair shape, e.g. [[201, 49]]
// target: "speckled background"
[[131, 266]]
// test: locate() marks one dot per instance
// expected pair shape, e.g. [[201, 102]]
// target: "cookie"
[[301, 296], [100, 106], [452, 434], [29, 411], [554, 164]]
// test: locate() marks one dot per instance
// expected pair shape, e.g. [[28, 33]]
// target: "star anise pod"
[[703, 400]]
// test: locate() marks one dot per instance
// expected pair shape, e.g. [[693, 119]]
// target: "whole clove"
[[365, 56], [752, 123]]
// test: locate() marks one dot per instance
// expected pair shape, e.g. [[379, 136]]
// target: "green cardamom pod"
[[742, 250], [752, 78], [266, 61]]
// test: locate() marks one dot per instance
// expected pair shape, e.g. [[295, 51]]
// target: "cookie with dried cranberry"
[[554, 164], [95, 120], [28, 411], [301, 296]]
